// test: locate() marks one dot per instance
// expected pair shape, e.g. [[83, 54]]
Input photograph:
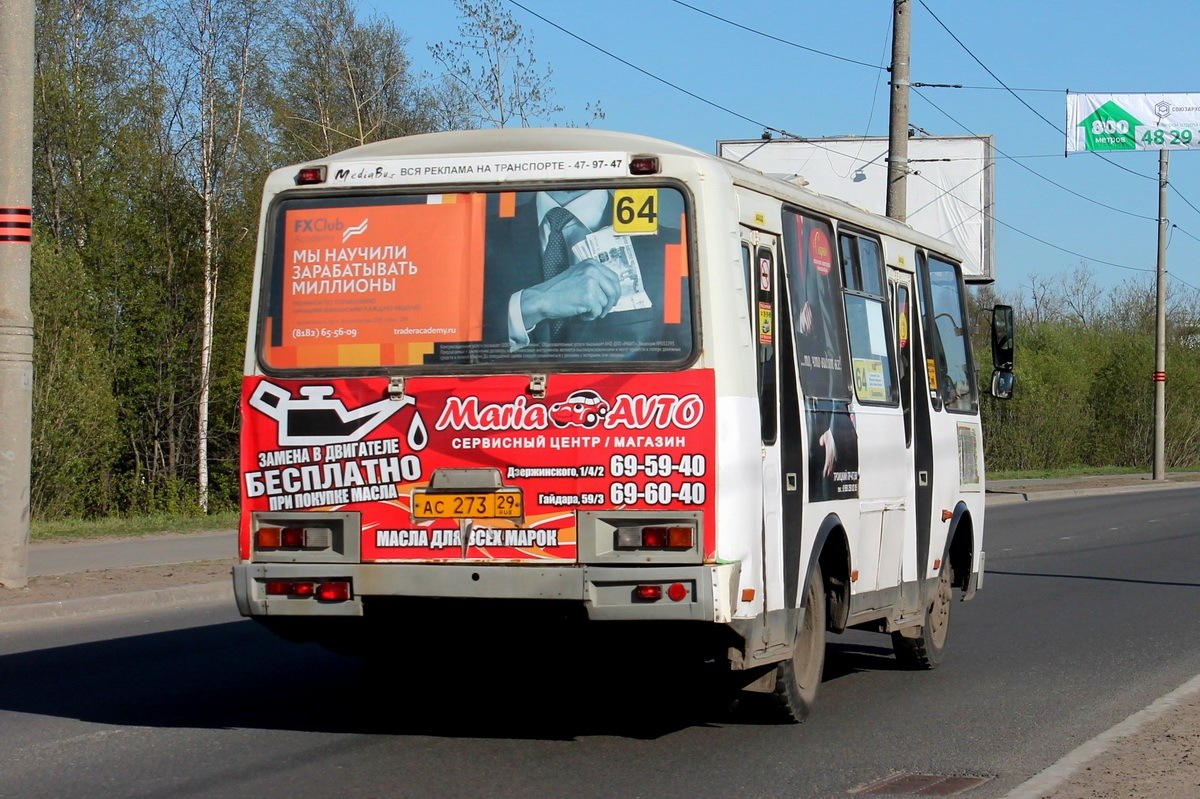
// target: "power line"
[[1035, 172], [777, 39], [986, 69], [1180, 196], [1002, 87], [944, 191], [874, 100], [1047, 243], [981, 88], [1020, 99], [647, 73], [1184, 232]]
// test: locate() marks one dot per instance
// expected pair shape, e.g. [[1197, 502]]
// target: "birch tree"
[[218, 61], [492, 71], [344, 82]]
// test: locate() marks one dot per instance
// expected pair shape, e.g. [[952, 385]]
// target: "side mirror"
[[1003, 343], [1003, 382]]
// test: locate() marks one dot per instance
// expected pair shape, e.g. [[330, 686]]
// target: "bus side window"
[[871, 339]]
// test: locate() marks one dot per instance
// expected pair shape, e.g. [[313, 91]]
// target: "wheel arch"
[[831, 549], [960, 546]]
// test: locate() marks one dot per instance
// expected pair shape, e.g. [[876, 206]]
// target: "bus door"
[[907, 327], [952, 403], [883, 476], [759, 260]]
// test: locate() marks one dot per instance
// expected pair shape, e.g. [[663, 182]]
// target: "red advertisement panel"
[[475, 468]]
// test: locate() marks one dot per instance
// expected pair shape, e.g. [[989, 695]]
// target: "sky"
[[683, 70]]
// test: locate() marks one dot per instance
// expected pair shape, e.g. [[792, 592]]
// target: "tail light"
[[293, 538], [310, 175], [325, 590], [643, 165], [652, 592], [334, 591], [679, 537], [648, 593]]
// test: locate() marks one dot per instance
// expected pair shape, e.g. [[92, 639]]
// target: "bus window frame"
[[272, 250], [933, 340], [856, 235]]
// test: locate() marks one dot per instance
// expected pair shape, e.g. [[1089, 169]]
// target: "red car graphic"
[[584, 408]]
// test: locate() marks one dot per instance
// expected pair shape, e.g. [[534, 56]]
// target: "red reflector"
[[655, 537], [278, 587], [310, 175], [643, 165], [677, 592], [337, 591], [648, 593], [303, 589], [292, 537]]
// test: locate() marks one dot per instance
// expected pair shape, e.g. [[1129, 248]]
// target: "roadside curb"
[[86, 607], [1076, 760], [1013, 497]]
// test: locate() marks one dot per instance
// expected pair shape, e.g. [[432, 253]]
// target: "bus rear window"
[[560, 277]]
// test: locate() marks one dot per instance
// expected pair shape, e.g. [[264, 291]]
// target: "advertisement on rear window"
[[477, 278], [475, 468]]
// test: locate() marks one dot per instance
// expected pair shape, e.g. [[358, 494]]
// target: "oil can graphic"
[[317, 418]]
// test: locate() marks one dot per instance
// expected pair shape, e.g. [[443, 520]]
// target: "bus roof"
[[539, 140]]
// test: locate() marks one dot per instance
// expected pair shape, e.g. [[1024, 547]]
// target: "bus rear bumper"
[[608, 593]]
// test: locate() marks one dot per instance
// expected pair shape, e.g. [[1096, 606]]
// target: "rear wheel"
[[796, 680], [925, 649]]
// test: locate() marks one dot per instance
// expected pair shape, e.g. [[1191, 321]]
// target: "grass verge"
[[81, 529], [1080, 471]]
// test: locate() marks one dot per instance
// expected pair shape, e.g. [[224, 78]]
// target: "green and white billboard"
[[1116, 122]]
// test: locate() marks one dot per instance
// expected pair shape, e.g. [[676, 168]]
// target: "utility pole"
[[16, 320], [1160, 328], [898, 121]]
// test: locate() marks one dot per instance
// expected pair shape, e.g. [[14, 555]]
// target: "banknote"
[[616, 252]]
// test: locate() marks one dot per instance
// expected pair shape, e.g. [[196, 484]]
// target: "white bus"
[[502, 377]]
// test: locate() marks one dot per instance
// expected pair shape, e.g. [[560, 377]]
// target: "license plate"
[[472, 505]]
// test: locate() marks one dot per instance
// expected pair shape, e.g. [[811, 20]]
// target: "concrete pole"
[[897, 184], [16, 321], [1160, 328]]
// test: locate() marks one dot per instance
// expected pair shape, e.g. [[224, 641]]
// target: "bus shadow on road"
[[237, 675], [844, 659]]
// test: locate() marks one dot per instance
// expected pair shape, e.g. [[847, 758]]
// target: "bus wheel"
[[796, 680], [926, 649]]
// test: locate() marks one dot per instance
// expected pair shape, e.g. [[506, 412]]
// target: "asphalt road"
[[1090, 612]]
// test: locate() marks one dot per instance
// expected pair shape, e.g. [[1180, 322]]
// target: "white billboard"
[[951, 188], [1115, 122]]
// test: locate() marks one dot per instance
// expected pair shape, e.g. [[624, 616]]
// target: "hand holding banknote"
[[605, 278], [586, 289]]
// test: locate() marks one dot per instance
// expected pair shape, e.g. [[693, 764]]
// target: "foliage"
[[76, 432], [343, 83], [156, 122], [496, 78], [1084, 362]]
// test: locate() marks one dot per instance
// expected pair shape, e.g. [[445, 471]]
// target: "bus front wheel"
[[925, 646], [796, 680]]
